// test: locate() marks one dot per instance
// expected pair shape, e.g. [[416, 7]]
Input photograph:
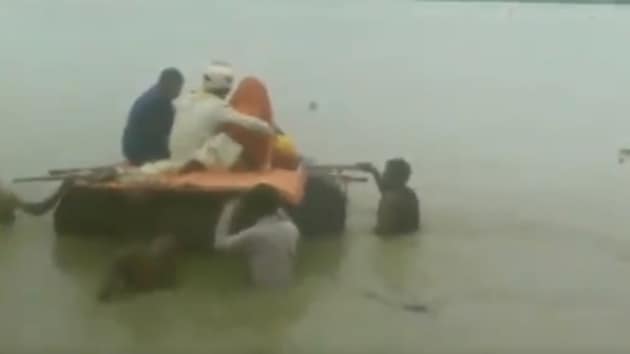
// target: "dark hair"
[[170, 75], [399, 169], [261, 200]]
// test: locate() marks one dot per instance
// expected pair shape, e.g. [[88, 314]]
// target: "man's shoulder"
[[290, 227], [200, 104], [150, 95], [145, 101]]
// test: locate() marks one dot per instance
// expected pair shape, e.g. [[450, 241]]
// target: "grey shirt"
[[270, 245]]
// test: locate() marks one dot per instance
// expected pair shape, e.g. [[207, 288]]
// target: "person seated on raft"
[[200, 115], [10, 202], [251, 97], [145, 138], [398, 209], [257, 225], [140, 269]]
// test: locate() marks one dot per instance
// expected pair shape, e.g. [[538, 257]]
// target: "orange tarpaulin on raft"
[[289, 183], [250, 98]]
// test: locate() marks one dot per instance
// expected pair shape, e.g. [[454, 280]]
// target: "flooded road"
[[510, 114]]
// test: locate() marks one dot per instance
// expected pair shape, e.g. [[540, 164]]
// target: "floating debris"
[[419, 308], [623, 155]]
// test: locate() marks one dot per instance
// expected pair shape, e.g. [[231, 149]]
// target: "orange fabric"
[[289, 183], [251, 98]]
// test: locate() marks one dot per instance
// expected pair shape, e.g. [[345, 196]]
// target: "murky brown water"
[[511, 115]]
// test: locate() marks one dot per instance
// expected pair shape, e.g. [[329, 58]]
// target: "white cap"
[[218, 76]]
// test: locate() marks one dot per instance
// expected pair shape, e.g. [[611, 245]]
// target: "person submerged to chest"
[[398, 210], [270, 251], [266, 235]]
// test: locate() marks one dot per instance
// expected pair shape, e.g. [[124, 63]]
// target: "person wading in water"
[[398, 209], [140, 269], [267, 236]]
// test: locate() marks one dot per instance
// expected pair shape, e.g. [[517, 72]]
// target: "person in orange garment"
[[251, 98]]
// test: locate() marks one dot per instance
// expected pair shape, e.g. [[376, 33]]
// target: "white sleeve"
[[229, 115], [222, 239], [224, 221], [234, 241], [295, 237]]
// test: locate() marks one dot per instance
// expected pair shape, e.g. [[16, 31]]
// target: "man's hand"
[[366, 167], [268, 129]]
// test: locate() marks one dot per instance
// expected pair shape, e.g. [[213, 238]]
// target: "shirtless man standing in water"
[[399, 209], [142, 269]]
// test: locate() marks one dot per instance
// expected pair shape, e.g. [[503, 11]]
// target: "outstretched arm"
[[40, 208], [371, 169], [230, 115], [222, 239], [225, 219], [277, 130]]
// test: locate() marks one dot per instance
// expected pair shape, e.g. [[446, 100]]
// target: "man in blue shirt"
[[151, 118]]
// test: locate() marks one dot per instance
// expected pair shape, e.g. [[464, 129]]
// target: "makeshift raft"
[[189, 205]]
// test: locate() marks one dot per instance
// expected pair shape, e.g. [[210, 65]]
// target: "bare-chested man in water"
[[399, 209], [142, 269]]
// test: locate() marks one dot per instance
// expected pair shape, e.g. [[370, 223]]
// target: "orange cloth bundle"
[[251, 98]]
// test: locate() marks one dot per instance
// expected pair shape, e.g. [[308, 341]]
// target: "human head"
[[170, 82], [260, 201], [218, 79], [397, 173]]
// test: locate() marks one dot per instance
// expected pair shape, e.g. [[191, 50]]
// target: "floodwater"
[[511, 115]]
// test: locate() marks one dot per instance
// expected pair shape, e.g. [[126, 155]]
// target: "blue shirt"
[[148, 128]]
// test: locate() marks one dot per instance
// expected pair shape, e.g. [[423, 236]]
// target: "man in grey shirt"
[[269, 240]]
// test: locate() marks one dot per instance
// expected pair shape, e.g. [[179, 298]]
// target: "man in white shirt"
[[269, 239], [200, 115]]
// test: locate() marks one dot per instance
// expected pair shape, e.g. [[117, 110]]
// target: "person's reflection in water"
[[397, 262], [271, 314]]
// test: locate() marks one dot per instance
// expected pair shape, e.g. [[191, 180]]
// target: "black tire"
[[323, 209]]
